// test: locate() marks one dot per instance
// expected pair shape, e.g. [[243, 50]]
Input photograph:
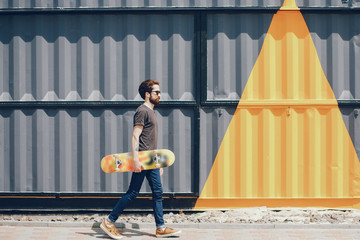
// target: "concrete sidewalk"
[[135, 231], [78, 233], [120, 225]]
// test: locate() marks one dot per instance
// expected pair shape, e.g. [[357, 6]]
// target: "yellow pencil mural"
[[287, 144]]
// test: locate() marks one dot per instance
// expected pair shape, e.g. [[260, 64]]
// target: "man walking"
[[144, 138]]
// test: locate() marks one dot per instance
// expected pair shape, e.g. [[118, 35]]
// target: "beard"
[[155, 101]]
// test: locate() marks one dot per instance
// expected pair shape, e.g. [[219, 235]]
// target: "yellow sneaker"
[[110, 229], [162, 232]]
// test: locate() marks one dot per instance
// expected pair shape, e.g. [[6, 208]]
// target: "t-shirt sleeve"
[[139, 118]]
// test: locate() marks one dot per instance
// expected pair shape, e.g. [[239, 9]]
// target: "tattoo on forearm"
[[137, 147]]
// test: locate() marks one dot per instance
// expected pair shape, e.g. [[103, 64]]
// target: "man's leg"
[[133, 191], [107, 225], [153, 177]]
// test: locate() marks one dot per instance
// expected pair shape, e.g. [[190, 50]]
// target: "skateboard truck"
[[118, 162], [157, 158]]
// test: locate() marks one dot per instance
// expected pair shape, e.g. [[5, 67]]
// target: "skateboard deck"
[[123, 162]]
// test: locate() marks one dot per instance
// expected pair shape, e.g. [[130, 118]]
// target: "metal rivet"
[[219, 112], [288, 113], [356, 113]]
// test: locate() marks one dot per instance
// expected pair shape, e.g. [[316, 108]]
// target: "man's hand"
[[138, 166], [161, 171]]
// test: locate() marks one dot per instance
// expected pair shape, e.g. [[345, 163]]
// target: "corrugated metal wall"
[[95, 57], [86, 63], [337, 41], [60, 150], [286, 139], [214, 123], [234, 48], [71, 59], [9, 4]]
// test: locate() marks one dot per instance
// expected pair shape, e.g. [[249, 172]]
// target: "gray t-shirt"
[[146, 117]]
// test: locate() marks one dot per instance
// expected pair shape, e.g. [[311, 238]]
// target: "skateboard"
[[123, 162]]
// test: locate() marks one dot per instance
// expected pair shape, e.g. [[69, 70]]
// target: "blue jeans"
[[153, 177]]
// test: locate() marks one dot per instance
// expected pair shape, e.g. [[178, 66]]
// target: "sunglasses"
[[157, 92]]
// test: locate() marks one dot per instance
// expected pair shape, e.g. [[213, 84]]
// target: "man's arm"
[[135, 147]]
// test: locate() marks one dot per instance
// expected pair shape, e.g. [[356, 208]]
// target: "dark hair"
[[146, 86]]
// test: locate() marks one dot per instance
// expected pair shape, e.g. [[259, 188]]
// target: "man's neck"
[[149, 105]]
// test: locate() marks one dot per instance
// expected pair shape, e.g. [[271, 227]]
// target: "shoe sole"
[[169, 235], [108, 233]]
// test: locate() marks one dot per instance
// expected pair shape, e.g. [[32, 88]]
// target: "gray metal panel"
[[60, 150], [234, 42], [352, 122], [337, 41], [95, 57], [213, 125], [176, 132]]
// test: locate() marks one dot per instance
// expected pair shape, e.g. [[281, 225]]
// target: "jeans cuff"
[[108, 218]]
